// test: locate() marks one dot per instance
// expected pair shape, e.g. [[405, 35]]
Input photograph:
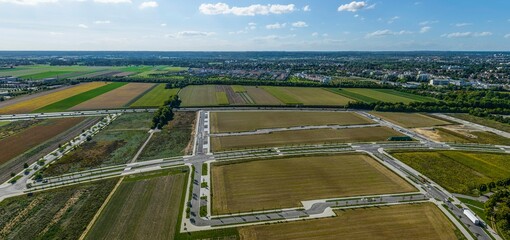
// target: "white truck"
[[472, 217]]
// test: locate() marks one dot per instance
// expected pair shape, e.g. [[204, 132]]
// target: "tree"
[[482, 187], [492, 185], [25, 165]]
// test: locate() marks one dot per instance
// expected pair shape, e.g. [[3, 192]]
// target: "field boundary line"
[[128, 105], [100, 210]]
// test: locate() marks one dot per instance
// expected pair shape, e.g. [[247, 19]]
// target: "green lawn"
[[77, 99], [156, 97], [459, 172]]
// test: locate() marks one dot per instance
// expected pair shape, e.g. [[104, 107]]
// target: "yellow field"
[[117, 98], [39, 102], [416, 221]]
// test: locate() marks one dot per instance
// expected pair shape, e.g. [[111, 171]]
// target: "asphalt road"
[[30, 116]]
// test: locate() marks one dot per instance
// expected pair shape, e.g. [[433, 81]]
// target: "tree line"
[[165, 113]]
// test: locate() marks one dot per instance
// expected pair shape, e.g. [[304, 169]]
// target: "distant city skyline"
[[298, 25]]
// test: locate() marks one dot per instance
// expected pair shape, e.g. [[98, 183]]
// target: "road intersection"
[[428, 190]]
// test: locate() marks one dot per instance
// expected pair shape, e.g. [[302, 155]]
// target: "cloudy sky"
[[333, 25]]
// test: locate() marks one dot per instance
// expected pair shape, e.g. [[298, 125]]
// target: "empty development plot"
[[417, 221], [307, 96], [251, 121], [39, 102], [462, 134], [283, 183], [146, 208], [117, 98], [459, 172], [82, 97], [156, 97], [316, 136], [382, 95], [17, 144], [411, 120]]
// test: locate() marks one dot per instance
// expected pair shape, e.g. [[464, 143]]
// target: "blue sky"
[[339, 25]]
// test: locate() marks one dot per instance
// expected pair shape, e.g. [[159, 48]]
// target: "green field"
[[62, 213], [307, 96], [143, 207], [156, 97], [43, 75], [203, 95], [238, 89], [70, 102], [380, 95], [221, 98], [459, 172]]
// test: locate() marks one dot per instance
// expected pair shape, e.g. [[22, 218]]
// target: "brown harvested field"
[[41, 101], [284, 183], [17, 144], [413, 221], [411, 120], [316, 136], [117, 98], [143, 209], [261, 96], [251, 121]]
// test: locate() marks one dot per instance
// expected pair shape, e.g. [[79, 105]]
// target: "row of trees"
[[165, 113], [497, 209]]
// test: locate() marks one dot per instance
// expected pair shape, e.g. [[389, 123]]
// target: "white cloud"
[[112, 1], [276, 26], [507, 36], [163, 24], [252, 10], [393, 19], [353, 6], [462, 24], [56, 33], [150, 4], [274, 37], [300, 24], [386, 32], [252, 26], [184, 34], [428, 22], [102, 22], [28, 2], [83, 26], [466, 34], [425, 29], [307, 8], [315, 34]]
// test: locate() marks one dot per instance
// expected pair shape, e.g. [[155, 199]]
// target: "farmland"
[[17, 144], [198, 96], [460, 172], [382, 95], [307, 96], [42, 101], [411, 120], [417, 221], [282, 183], [57, 214], [251, 121], [261, 96], [155, 97], [143, 207], [118, 98], [116, 144], [316, 136], [173, 140], [77, 99]]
